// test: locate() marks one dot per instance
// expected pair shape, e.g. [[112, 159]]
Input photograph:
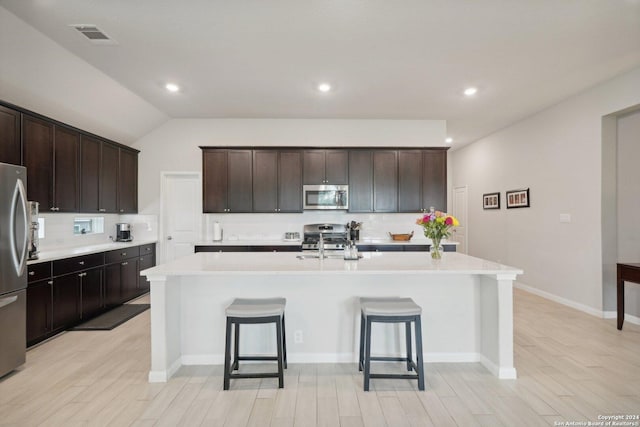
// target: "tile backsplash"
[[59, 229], [59, 226]]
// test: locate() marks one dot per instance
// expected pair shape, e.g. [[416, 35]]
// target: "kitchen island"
[[467, 307]]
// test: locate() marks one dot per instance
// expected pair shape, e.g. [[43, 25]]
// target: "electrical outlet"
[[297, 337]]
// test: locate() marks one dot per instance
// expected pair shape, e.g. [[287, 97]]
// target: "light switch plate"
[[565, 217]]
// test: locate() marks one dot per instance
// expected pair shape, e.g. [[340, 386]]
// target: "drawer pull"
[[32, 273], [50, 282], [125, 263], [81, 262], [123, 254]]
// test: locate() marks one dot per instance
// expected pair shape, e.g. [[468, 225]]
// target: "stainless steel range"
[[334, 237]]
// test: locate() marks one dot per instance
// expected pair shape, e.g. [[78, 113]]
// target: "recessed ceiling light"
[[324, 87], [470, 91], [448, 140], [172, 87]]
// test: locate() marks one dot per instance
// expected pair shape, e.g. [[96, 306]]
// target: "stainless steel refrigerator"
[[14, 233]]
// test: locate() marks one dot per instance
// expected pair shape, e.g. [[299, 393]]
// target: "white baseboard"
[[627, 317], [218, 359], [502, 373], [163, 376], [584, 308], [560, 300]]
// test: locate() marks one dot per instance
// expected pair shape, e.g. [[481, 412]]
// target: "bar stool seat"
[[391, 310], [254, 311]]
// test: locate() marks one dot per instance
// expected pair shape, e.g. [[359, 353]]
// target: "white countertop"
[[61, 253], [282, 263]]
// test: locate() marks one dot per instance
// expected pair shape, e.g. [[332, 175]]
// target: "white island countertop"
[[274, 263]]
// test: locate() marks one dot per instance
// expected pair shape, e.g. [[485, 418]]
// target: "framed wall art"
[[491, 201], [517, 198]]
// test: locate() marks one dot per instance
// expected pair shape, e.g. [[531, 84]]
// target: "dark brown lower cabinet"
[[72, 295], [66, 300], [39, 310], [120, 282], [112, 293], [92, 294], [129, 279]]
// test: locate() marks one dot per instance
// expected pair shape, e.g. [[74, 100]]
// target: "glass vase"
[[435, 249]]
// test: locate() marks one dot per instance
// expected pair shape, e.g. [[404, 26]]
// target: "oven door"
[[326, 197]]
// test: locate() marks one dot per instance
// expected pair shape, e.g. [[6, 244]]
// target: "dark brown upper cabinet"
[[66, 152], [51, 156], [361, 181], [108, 177], [227, 180], [290, 181], [434, 179], [90, 150], [128, 181], [373, 180], [410, 181], [277, 181], [385, 181], [37, 136], [422, 180], [10, 148], [326, 167], [108, 193]]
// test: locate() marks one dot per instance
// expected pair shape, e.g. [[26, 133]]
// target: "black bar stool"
[[391, 310], [254, 311]]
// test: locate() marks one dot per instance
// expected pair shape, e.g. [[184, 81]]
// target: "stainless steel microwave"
[[326, 197]]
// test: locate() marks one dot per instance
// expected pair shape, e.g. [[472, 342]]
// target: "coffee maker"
[[123, 232]]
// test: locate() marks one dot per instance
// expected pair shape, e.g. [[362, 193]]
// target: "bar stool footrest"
[[256, 375], [392, 376], [257, 358]]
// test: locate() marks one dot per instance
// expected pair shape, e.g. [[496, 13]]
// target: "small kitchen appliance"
[[34, 239], [123, 232], [334, 237]]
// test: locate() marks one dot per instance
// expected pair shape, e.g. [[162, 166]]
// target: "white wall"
[[174, 146], [38, 74], [557, 154], [628, 174]]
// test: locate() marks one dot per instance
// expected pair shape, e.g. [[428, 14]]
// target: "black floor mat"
[[112, 318]]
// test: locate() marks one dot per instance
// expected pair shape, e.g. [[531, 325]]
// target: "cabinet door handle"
[[123, 254], [102, 210], [121, 210], [32, 273], [50, 282], [81, 262], [52, 209], [125, 263]]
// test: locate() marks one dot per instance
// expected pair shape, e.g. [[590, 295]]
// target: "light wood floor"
[[571, 367]]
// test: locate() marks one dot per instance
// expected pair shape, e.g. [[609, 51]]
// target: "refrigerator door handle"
[[19, 195], [6, 301]]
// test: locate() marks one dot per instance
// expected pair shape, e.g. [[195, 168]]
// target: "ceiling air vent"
[[93, 33]]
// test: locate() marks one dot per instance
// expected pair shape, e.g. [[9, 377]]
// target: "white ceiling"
[[403, 59]]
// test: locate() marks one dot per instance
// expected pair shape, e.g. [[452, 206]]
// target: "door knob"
[[169, 238]]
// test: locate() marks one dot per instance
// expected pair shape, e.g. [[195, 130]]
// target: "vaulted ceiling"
[[406, 59]]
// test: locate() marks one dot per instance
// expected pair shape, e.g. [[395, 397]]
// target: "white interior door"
[[459, 208], [181, 213]]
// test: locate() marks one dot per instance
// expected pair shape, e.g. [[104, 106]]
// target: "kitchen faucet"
[[321, 247]]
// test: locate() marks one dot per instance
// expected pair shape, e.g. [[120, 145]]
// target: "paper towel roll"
[[217, 232]]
